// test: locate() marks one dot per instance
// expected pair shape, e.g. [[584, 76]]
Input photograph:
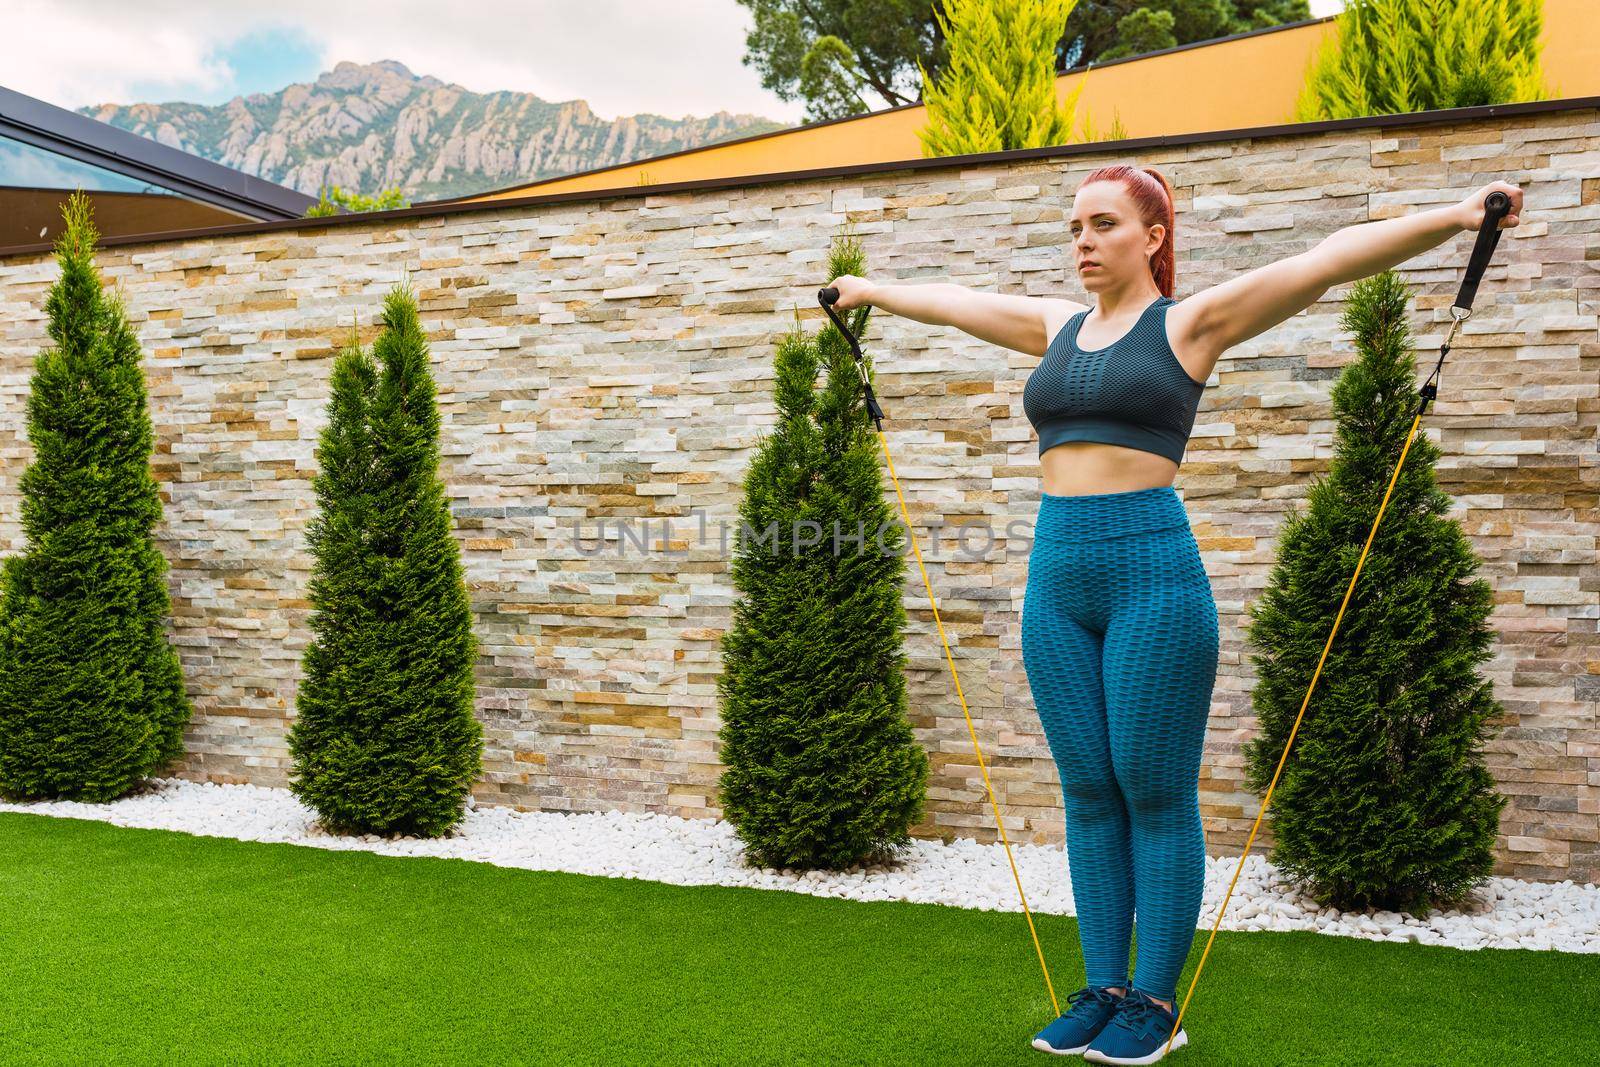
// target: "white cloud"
[[74, 54], [622, 56]]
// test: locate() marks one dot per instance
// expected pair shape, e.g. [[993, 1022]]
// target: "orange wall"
[[1234, 83]]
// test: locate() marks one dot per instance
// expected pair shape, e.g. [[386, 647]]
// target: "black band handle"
[[1495, 207], [827, 297]]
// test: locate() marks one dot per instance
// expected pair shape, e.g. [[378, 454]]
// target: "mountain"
[[369, 126]]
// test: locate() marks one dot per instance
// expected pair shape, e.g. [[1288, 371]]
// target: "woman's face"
[[1110, 246]]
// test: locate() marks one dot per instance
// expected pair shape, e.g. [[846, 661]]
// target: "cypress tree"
[[1390, 57], [91, 693], [384, 740], [998, 91], [1385, 800], [822, 768]]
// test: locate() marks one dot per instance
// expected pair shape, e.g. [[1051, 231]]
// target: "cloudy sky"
[[622, 56]]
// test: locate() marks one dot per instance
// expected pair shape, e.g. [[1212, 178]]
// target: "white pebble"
[[1503, 913]]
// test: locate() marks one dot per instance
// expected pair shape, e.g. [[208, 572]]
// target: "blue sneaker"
[[1092, 1007], [1137, 1033]]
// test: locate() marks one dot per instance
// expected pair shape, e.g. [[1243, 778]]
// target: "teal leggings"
[[1119, 641]]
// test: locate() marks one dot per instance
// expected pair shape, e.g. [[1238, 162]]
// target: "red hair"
[[1152, 196]]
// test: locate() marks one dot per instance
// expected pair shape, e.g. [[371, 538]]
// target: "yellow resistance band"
[[1283, 758], [1000, 823], [826, 298], [970, 729], [1496, 207]]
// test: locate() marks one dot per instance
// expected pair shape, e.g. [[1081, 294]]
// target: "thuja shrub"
[[1385, 799], [91, 692], [384, 740], [822, 768]]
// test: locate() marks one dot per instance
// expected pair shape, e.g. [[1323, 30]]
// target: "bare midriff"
[[1074, 468]]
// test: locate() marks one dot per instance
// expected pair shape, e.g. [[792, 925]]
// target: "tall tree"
[[1103, 30], [1385, 800], [999, 90], [848, 57], [843, 57], [384, 740], [821, 766], [91, 693], [1390, 57]]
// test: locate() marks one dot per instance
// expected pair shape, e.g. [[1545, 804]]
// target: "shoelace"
[[1088, 997], [1143, 1018]]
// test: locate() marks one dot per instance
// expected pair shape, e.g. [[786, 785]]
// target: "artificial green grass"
[[128, 945]]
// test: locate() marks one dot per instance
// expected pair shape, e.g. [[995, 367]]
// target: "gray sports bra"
[[1133, 392]]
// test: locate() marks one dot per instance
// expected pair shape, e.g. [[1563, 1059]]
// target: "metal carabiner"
[[1495, 207]]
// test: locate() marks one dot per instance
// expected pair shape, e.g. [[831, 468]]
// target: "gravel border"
[[1504, 913]]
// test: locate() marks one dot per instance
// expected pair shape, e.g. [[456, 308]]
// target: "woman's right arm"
[[1021, 323]]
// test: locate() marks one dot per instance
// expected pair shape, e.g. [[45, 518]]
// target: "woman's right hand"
[[853, 292]]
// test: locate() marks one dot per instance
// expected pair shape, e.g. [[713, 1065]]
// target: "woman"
[[1119, 628]]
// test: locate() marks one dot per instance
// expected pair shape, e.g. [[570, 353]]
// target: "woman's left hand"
[[1471, 210]]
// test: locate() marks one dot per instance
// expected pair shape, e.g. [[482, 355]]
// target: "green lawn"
[[126, 945]]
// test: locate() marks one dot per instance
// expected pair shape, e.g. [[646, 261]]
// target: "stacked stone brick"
[[604, 372]]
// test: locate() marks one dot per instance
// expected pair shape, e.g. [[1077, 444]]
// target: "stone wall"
[[610, 359]]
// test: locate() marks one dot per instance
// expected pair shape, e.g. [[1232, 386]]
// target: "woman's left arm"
[[1236, 310]]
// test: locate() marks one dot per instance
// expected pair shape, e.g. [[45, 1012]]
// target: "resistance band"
[[826, 298], [1495, 208], [1496, 205]]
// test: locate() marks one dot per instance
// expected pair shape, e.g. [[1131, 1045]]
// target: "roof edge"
[[820, 123], [1067, 151], [64, 132]]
